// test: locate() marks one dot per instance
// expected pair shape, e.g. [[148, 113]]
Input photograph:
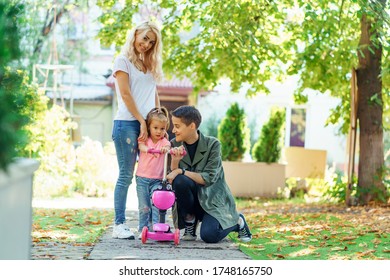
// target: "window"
[[297, 127]]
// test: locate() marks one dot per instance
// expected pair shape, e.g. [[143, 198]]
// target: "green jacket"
[[215, 196]]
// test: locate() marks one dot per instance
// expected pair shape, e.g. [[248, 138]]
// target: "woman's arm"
[[124, 89], [157, 100], [176, 156]]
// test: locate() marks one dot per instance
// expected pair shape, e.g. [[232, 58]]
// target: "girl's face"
[[144, 41], [157, 129]]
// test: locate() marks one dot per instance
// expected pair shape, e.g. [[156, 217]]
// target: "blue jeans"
[[146, 210], [212, 232], [124, 135]]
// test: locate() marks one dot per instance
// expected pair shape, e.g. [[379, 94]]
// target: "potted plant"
[[17, 104], [264, 177]]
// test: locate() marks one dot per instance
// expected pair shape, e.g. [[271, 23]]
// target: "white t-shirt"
[[142, 88]]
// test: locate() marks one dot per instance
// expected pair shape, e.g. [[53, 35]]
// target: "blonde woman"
[[136, 71]]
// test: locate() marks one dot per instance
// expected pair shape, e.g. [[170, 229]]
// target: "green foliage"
[[269, 145], [95, 170], [38, 30], [254, 41], [116, 21], [65, 170], [210, 126], [51, 145], [87, 170], [233, 133], [18, 101], [337, 189], [326, 43], [220, 39]]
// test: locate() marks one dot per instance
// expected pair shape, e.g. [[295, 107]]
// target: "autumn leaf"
[[98, 222], [365, 253], [376, 241], [279, 256], [63, 226], [348, 238], [339, 248]]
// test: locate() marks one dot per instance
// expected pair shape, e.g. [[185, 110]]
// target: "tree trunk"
[[48, 26], [370, 107]]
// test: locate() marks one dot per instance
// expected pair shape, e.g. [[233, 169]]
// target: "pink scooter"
[[163, 199]]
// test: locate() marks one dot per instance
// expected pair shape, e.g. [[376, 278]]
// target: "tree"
[[268, 147], [332, 46], [233, 133], [41, 20], [370, 104], [254, 41], [18, 102]]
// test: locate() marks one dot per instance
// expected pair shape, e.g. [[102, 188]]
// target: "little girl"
[[151, 166]]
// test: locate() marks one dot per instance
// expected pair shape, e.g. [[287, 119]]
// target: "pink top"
[[152, 165]]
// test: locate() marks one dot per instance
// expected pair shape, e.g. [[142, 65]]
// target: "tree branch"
[[49, 25]]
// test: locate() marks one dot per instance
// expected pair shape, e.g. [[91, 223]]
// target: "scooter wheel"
[[176, 237], [144, 235]]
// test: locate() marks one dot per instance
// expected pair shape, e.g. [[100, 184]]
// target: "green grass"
[[69, 225], [314, 236]]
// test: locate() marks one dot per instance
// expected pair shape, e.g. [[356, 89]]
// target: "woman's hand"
[[143, 134], [177, 153], [171, 176]]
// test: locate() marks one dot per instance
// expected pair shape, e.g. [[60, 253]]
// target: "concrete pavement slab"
[[109, 248]]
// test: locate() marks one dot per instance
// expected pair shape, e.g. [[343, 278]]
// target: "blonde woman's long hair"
[[152, 59]]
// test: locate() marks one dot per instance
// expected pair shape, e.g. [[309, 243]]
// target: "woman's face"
[[144, 41], [181, 130]]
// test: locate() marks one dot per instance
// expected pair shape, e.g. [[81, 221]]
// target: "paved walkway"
[[109, 249]]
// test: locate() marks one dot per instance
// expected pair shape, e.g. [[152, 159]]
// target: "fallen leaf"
[[364, 244], [63, 226], [93, 222], [339, 248], [279, 256], [376, 241], [348, 238], [365, 253]]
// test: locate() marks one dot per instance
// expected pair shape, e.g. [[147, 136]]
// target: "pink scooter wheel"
[[176, 237], [144, 235]]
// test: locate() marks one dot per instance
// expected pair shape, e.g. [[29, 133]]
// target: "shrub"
[[233, 133], [17, 98], [96, 168], [269, 145], [52, 146]]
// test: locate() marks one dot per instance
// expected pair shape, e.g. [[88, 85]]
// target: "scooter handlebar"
[[157, 151]]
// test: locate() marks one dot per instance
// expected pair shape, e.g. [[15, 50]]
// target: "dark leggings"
[[186, 191]]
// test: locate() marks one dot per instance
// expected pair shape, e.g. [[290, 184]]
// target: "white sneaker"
[[122, 231]]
